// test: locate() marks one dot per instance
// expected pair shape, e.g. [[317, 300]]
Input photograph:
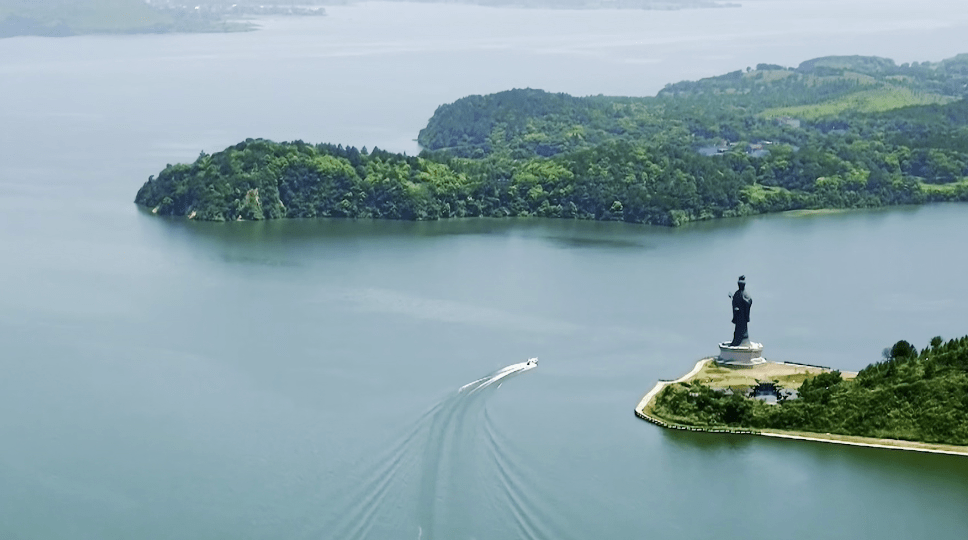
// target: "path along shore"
[[644, 411]]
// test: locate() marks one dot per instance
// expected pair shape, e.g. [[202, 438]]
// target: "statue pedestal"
[[745, 354]]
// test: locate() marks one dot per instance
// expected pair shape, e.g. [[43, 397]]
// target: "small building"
[[766, 392], [758, 150], [771, 393], [716, 150]]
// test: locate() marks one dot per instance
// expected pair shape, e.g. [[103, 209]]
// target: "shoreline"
[[644, 412], [795, 214]]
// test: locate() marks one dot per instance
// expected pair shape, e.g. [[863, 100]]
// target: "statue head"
[[741, 282]]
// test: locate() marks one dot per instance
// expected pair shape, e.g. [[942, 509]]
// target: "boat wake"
[[499, 375], [448, 476]]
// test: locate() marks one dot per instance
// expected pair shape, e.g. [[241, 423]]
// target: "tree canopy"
[[835, 132]]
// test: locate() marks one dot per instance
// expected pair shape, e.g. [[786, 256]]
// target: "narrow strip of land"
[[888, 444]]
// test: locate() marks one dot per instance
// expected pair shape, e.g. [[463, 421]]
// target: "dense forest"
[[907, 396], [835, 132]]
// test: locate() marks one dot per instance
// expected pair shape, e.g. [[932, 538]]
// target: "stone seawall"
[[648, 397], [667, 425]]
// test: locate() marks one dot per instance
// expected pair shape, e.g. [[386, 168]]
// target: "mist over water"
[[161, 378]]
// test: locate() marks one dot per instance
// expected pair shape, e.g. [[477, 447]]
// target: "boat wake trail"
[[499, 375], [438, 480]]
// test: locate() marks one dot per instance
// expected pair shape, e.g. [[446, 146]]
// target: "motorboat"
[[532, 362]]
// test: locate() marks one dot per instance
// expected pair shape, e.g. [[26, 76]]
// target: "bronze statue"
[[742, 302]]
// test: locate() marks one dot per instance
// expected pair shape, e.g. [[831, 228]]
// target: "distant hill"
[[533, 122], [830, 85], [76, 17], [68, 17]]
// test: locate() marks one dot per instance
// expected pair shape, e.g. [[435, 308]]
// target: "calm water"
[[168, 379]]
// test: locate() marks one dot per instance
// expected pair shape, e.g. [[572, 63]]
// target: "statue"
[[742, 302], [741, 352]]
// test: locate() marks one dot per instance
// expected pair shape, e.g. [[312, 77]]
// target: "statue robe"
[[742, 302]]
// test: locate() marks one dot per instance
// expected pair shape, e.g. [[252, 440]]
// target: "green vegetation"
[[68, 17], [76, 17], [908, 396], [877, 134], [874, 100], [259, 179], [788, 376]]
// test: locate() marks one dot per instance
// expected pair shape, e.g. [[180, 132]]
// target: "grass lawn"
[[787, 375], [949, 188], [884, 98]]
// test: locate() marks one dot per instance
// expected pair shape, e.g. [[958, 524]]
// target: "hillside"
[[740, 104], [699, 150], [69, 17]]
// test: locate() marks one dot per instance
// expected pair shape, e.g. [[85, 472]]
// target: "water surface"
[[161, 378]]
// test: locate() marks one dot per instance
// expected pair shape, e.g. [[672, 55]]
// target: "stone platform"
[[745, 354]]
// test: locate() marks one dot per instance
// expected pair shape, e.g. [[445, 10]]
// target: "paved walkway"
[[868, 445], [662, 384]]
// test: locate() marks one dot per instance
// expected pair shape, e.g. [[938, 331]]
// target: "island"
[[832, 133], [61, 18], [912, 400]]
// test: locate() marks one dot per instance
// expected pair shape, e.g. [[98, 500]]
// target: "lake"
[[162, 378]]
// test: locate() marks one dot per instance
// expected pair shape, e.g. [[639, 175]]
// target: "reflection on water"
[[297, 230], [899, 467], [568, 233], [585, 242]]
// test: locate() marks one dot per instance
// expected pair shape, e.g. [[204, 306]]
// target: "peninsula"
[[911, 400], [832, 133]]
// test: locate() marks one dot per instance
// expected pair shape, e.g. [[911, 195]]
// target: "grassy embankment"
[[789, 376], [713, 375], [952, 188], [876, 99]]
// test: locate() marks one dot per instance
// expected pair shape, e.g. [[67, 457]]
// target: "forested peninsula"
[[909, 396], [834, 132]]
